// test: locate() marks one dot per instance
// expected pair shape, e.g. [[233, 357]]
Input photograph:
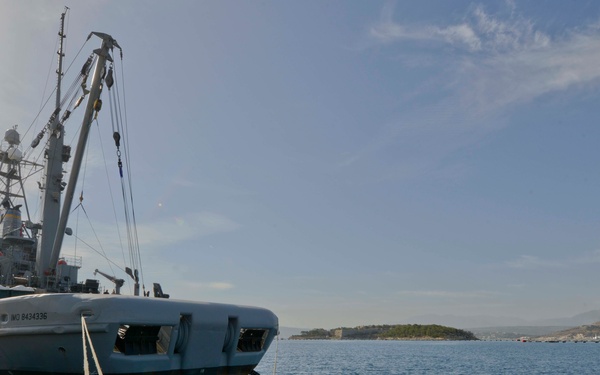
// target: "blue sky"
[[343, 162]]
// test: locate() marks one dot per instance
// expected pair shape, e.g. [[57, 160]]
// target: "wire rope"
[[112, 200], [45, 103], [126, 185], [100, 253]]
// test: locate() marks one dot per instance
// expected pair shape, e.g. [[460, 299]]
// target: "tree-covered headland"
[[388, 332]]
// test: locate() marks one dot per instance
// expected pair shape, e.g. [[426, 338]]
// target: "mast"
[[92, 106], [53, 174]]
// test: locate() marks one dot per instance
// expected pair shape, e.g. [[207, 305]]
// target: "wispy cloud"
[[531, 262], [169, 231], [588, 258], [480, 32], [215, 285], [461, 34], [496, 65], [447, 294], [156, 235], [518, 63], [500, 81], [534, 262], [505, 35]]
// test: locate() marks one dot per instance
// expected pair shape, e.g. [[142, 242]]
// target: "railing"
[[72, 260]]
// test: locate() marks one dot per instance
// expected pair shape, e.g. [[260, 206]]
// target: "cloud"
[[215, 285], [501, 81], [153, 236], [172, 230], [447, 294], [454, 34], [517, 63], [531, 262], [512, 34], [588, 258], [534, 262], [482, 32], [496, 65]]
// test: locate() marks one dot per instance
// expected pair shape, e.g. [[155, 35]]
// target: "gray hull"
[[42, 333]]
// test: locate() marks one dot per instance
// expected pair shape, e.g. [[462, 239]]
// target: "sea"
[[295, 357]]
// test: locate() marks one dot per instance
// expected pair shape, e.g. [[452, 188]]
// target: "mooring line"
[[85, 334]]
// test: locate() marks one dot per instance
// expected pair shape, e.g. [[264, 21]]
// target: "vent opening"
[[252, 340], [142, 339]]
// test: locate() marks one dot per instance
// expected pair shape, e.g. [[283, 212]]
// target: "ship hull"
[[203, 371], [42, 333]]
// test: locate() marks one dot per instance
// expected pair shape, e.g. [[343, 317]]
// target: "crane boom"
[[118, 282]]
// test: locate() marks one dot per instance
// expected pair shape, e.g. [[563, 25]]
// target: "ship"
[[53, 323]]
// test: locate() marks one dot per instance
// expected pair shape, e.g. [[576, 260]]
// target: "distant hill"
[[576, 320], [387, 332], [481, 321], [513, 333], [584, 332], [465, 322]]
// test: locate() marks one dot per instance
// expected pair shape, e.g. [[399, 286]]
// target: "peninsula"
[[387, 332]]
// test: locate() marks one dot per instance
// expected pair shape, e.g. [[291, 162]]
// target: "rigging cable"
[[52, 93], [117, 138], [93, 231], [99, 253], [80, 203], [112, 200], [73, 92], [126, 188], [128, 164], [109, 85], [84, 73]]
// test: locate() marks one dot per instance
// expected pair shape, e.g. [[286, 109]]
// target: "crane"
[[118, 282]]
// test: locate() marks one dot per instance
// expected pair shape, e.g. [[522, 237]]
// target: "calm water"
[[415, 357]]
